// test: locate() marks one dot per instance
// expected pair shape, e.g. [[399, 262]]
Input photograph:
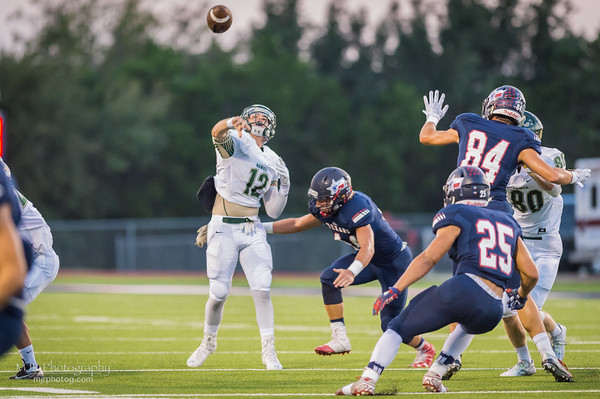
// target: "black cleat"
[[558, 369], [28, 372], [453, 369]]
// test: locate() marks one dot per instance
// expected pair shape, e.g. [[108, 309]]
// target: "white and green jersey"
[[31, 218], [536, 211], [247, 174]]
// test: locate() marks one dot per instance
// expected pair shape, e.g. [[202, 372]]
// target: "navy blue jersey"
[[487, 241], [357, 212], [494, 147]]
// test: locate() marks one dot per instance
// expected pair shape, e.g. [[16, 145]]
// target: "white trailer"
[[587, 217]]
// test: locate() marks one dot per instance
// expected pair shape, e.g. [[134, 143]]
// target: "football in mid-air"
[[219, 19]]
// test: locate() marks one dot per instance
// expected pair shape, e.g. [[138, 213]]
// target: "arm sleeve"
[[275, 202]]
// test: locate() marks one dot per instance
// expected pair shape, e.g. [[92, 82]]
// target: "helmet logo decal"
[[336, 186]]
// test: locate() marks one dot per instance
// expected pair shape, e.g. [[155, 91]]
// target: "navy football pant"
[[458, 299], [386, 273], [11, 324]]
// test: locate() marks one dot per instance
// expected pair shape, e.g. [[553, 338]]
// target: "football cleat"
[[365, 386], [339, 345], [28, 372], [522, 368], [558, 369], [207, 347], [432, 382], [452, 369], [559, 342], [425, 357], [269, 356]]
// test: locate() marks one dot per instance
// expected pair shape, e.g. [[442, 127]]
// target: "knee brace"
[[331, 295], [218, 291]]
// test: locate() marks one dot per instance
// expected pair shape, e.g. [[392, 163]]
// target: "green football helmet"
[[533, 123]]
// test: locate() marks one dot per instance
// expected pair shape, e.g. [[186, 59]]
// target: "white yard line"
[[47, 390], [241, 395]]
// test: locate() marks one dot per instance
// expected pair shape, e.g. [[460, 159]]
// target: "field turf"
[[136, 345]]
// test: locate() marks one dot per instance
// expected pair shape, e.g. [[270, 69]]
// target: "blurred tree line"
[[106, 121]]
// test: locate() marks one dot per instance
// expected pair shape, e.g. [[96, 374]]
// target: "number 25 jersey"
[[494, 147], [486, 244]]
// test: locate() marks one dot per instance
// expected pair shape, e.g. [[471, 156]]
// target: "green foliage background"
[[106, 121]]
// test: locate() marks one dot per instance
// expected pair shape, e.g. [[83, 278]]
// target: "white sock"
[[384, 353], [523, 354], [27, 355], [336, 325], [557, 331], [421, 345], [543, 344], [264, 312], [457, 342], [439, 368]]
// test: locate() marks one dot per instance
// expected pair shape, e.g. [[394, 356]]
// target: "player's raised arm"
[[435, 111], [220, 134]]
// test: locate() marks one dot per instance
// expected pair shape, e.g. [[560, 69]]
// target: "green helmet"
[[533, 123]]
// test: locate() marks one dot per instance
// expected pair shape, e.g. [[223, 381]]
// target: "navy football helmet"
[[533, 123], [263, 125], [466, 183], [330, 188], [506, 101]]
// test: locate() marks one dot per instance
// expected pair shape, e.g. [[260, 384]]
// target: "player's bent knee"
[[331, 294], [218, 291]]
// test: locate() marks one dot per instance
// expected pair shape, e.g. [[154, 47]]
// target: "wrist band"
[[433, 119], [268, 227], [356, 267], [230, 123]]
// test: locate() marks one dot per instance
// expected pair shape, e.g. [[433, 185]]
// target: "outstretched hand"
[[434, 107], [580, 176], [384, 299]]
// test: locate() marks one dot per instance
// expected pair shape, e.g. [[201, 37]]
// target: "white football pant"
[[45, 262]]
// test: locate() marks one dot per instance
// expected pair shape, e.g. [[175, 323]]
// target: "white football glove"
[[201, 237], [434, 107], [284, 176], [580, 176]]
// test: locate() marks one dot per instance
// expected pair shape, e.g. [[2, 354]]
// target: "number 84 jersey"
[[537, 211], [245, 176]]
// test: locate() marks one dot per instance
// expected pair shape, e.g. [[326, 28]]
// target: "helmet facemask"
[[262, 121]]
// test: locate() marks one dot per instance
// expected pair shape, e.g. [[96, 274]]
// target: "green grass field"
[[136, 345]]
